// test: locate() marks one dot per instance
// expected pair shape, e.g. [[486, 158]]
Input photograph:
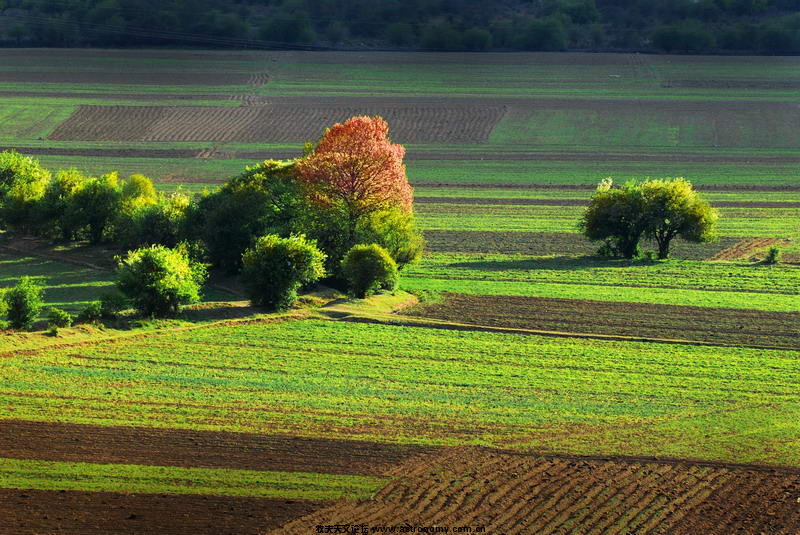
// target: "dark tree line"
[[694, 26]]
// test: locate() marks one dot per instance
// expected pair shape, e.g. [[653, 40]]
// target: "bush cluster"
[[279, 224], [367, 269]]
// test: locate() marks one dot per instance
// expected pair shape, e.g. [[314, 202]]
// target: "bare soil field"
[[543, 243], [282, 121], [510, 494], [731, 326], [175, 447], [34, 512]]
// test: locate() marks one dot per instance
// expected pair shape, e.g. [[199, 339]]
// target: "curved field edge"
[[328, 379]]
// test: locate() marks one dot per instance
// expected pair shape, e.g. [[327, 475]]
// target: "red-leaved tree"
[[356, 167]]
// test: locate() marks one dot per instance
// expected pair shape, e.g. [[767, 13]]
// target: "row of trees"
[[660, 210], [279, 224], [428, 24]]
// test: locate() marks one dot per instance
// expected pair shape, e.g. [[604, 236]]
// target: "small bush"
[[367, 269], [112, 303], [158, 280], [275, 268], [58, 318], [91, 314], [773, 256], [23, 303]]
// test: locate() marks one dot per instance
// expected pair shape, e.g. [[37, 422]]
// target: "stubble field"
[[535, 388]]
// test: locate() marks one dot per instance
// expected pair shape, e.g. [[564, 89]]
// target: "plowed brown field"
[[731, 326], [275, 122], [509, 494], [177, 447], [38, 512]]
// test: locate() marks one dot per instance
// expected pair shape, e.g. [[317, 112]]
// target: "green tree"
[[23, 303], [616, 215], [22, 184], [56, 218], [159, 280], [673, 209], [96, 204], [265, 199], [275, 268], [367, 269]]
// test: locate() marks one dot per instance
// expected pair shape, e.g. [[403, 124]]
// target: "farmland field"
[[529, 387]]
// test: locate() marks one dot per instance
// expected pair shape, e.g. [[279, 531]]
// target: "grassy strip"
[[680, 274], [420, 385], [745, 222], [52, 475], [589, 173]]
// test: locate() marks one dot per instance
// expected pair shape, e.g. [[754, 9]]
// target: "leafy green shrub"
[[91, 313], [395, 231], [58, 318], [23, 303], [112, 303], [275, 268], [773, 256], [369, 268], [22, 185], [159, 280]]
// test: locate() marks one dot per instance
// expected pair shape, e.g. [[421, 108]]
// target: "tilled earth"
[[513, 493], [731, 326]]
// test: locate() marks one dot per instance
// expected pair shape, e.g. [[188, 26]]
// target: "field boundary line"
[[430, 323]]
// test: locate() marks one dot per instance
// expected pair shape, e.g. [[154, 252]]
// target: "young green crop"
[[418, 385], [54, 475]]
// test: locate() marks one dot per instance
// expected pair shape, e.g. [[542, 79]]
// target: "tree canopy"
[[657, 209]]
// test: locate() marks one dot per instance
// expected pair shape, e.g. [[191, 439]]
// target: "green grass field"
[[414, 385]]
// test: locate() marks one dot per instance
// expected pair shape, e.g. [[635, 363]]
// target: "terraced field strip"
[[584, 202], [274, 122], [731, 326], [53, 475], [20, 439], [675, 282], [544, 495], [411, 385]]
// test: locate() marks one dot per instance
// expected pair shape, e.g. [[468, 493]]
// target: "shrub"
[[369, 268], [91, 313], [158, 280], [275, 268], [23, 303], [773, 256], [58, 318], [22, 185], [112, 303], [395, 231]]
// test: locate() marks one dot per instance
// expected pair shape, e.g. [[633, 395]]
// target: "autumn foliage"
[[356, 166]]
